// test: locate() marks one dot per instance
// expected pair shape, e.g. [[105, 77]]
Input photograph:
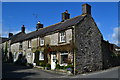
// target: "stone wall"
[[88, 50], [110, 58], [15, 47], [53, 38]]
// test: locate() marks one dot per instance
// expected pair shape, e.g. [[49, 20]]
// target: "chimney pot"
[[65, 16], [39, 25], [66, 11], [23, 29]]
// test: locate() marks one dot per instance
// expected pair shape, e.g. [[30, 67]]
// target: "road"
[[109, 73], [17, 71]]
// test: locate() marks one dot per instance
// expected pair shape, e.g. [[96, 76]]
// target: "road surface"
[[17, 71]]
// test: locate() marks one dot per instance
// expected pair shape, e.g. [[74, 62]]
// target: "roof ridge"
[[63, 22], [76, 16]]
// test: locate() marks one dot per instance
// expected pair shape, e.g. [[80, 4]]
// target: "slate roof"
[[3, 39], [47, 30], [17, 37], [56, 27]]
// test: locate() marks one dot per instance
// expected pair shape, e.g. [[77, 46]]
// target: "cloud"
[[115, 37]]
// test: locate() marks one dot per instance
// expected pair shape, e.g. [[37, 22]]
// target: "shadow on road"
[[10, 70]]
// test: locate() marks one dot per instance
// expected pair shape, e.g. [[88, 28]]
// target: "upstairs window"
[[41, 41], [62, 36], [29, 43], [20, 46]]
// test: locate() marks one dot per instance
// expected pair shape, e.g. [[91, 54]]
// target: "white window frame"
[[29, 54], [41, 55], [41, 41], [29, 43], [62, 36], [20, 46], [62, 54]]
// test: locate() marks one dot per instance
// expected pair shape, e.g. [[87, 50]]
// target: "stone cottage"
[[76, 41]]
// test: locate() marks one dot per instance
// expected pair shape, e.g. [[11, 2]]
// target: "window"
[[29, 43], [41, 41], [15, 55], [64, 57], [20, 46], [62, 36], [29, 54], [41, 55]]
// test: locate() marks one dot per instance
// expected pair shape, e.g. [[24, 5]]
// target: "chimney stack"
[[23, 29], [86, 9], [10, 35], [39, 25], [65, 16]]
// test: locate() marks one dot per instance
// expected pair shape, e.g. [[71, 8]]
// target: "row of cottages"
[[75, 41]]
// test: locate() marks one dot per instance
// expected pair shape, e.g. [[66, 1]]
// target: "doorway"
[[53, 60]]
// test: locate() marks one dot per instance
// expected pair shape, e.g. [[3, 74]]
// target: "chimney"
[[39, 25], [86, 9], [65, 16], [10, 35], [23, 29]]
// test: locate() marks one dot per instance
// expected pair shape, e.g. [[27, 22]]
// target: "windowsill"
[[41, 59], [61, 42], [63, 64], [29, 47]]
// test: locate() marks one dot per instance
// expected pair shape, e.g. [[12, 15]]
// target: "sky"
[[16, 14]]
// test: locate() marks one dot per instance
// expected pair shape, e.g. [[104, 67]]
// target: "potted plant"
[[48, 66], [57, 66], [69, 68]]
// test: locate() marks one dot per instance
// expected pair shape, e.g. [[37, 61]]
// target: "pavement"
[[16, 71]]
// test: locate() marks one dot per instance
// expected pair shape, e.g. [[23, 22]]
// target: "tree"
[[6, 51]]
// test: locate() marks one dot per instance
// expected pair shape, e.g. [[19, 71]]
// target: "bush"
[[42, 64], [30, 64], [48, 65], [118, 55], [57, 66], [62, 67], [69, 66]]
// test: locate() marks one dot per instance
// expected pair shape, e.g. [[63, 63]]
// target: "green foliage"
[[48, 65], [113, 54], [118, 55], [69, 66], [6, 48], [42, 64], [57, 66], [62, 67]]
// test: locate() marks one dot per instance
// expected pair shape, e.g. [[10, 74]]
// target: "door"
[[53, 60]]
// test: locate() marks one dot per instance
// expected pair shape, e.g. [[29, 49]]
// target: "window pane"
[[41, 41], [41, 56], [62, 37]]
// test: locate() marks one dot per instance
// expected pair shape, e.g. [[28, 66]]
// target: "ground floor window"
[[64, 57], [41, 55], [29, 54], [15, 55]]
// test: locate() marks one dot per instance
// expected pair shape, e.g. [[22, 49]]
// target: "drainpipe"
[[74, 60]]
